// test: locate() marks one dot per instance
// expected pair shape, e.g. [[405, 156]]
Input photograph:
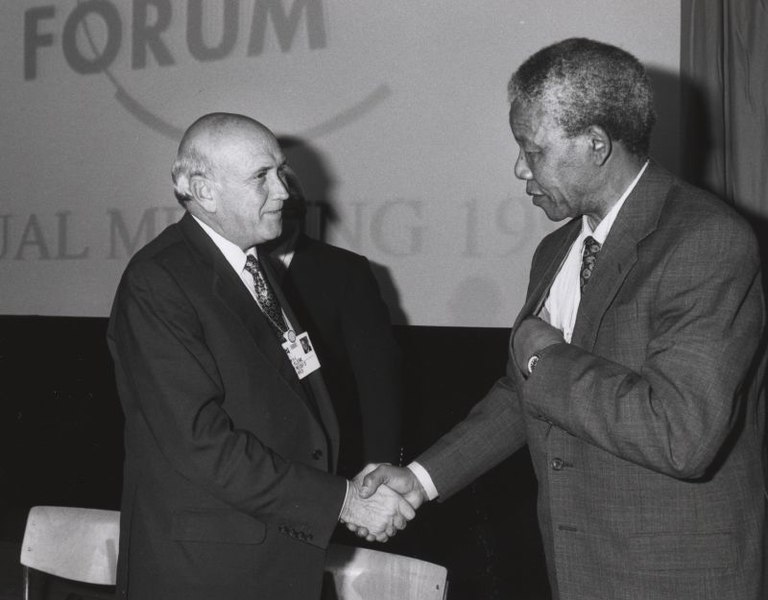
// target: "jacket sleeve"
[[694, 321], [169, 382], [492, 431]]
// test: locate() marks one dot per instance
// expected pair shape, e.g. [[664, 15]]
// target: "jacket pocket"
[[191, 525], [683, 552]]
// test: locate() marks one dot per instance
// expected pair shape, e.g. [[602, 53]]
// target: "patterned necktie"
[[591, 248], [265, 297]]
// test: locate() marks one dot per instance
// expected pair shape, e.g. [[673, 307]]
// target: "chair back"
[[363, 574], [80, 544]]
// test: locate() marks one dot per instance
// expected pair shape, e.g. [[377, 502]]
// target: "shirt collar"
[[604, 227], [232, 252]]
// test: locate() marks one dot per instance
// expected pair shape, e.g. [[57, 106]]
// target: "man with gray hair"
[[630, 374], [230, 437]]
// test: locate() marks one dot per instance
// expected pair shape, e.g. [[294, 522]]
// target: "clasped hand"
[[533, 335], [381, 500]]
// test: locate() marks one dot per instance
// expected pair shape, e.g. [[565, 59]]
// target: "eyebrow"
[[524, 141]]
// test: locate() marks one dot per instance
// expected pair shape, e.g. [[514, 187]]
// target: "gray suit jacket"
[[644, 432]]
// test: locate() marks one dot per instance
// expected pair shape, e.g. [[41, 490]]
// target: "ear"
[[203, 192], [600, 144]]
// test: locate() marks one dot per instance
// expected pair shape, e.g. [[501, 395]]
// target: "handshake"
[[381, 500]]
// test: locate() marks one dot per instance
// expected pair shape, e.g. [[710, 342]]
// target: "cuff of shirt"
[[424, 479], [344, 504]]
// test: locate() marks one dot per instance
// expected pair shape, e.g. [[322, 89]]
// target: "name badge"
[[301, 353]]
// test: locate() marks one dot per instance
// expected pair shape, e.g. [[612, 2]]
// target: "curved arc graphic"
[[159, 125]]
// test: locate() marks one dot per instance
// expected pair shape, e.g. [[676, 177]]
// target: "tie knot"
[[591, 246], [252, 264]]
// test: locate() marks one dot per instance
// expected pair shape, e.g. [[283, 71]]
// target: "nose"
[[279, 188], [521, 167]]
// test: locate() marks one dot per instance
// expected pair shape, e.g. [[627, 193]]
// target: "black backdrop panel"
[[61, 429]]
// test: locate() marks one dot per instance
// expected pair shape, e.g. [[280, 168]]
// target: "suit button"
[[317, 454], [557, 464]]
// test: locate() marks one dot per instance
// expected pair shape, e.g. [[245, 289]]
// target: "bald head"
[[231, 174], [202, 142]]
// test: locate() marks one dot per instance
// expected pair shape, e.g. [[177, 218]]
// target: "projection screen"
[[393, 113]]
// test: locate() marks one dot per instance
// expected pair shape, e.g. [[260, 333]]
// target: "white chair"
[[77, 544], [363, 574], [81, 545]]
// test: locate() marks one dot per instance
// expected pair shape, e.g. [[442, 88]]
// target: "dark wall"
[[60, 442], [487, 534], [60, 420]]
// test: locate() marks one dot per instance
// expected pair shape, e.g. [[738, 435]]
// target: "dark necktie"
[[591, 248], [265, 296]]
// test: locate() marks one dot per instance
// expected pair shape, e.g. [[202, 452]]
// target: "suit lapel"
[[553, 255], [229, 288], [636, 220]]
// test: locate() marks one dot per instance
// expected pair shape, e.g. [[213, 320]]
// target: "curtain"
[[724, 72], [724, 76]]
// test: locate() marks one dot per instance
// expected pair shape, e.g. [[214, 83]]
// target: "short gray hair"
[[590, 83], [189, 163]]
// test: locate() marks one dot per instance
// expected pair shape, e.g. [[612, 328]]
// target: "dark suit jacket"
[[227, 485], [644, 435], [336, 298]]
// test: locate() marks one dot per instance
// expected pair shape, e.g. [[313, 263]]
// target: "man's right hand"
[[376, 514], [400, 479]]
